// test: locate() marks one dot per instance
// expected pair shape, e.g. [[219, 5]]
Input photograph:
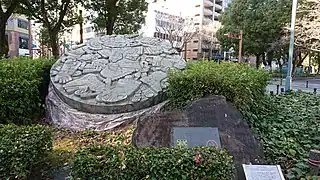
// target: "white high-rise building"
[[206, 12]]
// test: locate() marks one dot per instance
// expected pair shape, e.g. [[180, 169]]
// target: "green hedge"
[[23, 87], [21, 147], [288, 127], [239, 83], [152, 163]]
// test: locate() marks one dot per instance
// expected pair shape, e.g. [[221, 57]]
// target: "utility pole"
[[240, 46], [185, 51], [30, 38], [211, 47], [293, 20]]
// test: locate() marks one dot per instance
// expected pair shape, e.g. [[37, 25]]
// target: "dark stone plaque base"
[[215, 111]]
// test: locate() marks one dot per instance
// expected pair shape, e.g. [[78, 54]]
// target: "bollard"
[[278, 87], [282, 90], [315, 90], [314, 162], [307, 84], [271, 93]]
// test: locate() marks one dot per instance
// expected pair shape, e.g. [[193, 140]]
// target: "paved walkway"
[[296, 85]]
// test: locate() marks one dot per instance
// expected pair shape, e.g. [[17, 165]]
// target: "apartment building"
[[160, 22], [207, 12], [18, 32]]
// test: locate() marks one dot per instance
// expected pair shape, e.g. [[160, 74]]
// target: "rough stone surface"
[[115, 74], [62, 115], [214, 111]]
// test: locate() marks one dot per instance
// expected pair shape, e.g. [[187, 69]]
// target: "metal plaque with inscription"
[[263, 172], [196, 136]]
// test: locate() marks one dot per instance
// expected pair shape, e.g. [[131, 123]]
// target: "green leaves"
[[288, 130], [118, 17], [21, 147], [23, 87], [262, 22], [152, 163], [239, 83]]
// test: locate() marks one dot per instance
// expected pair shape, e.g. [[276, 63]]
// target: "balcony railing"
[[208, 3], [216, 15], [207, 11], [218, 7]]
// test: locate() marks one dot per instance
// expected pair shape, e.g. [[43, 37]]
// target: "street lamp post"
[[289, 73]]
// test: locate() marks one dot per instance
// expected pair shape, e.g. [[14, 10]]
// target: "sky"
[[176, 7]]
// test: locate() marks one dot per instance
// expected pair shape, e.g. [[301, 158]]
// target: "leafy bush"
[[288, 126], [21, 147], [23, 87], [152, 163], [239, 83]]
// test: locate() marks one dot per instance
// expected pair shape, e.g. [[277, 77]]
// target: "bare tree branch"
[[63, 11], [10, 9], [44, 14], [177, 30]]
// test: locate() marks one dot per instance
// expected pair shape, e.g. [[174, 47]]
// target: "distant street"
[[296, 85]]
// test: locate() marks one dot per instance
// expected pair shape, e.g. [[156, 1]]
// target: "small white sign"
[[263, 172]]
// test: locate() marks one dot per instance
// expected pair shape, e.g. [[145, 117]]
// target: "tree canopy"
[[7, 7], [307, 29], [117, 17], [261, 21], [54, 15]]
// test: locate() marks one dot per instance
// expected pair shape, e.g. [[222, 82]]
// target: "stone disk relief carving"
[[115, 74]]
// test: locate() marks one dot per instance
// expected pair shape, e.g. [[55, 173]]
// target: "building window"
[[23, 43], [23, 24], [194, 58], [195, 50], [196, 24], [198, 5], [195, 41], [197, 15]]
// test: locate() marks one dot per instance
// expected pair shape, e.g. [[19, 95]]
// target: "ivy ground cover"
[[288, 126]]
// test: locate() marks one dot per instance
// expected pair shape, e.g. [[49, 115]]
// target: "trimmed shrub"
[[239, 83], [152, 163], [22, 147], [23, 87]]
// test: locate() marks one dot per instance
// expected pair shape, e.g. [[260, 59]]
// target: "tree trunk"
[[257, 60], [264, 59], [295, 62], [318, 59], [270, 58], [81, 26], [54, 44], [4, 48], [110, 24]]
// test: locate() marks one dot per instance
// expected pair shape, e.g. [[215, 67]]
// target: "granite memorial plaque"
[[263, 172], [196, 136]]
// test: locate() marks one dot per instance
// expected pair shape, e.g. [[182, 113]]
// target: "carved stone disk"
[[115, 74]]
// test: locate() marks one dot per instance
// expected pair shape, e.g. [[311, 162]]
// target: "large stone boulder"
[[112, 75], [213, 111]]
